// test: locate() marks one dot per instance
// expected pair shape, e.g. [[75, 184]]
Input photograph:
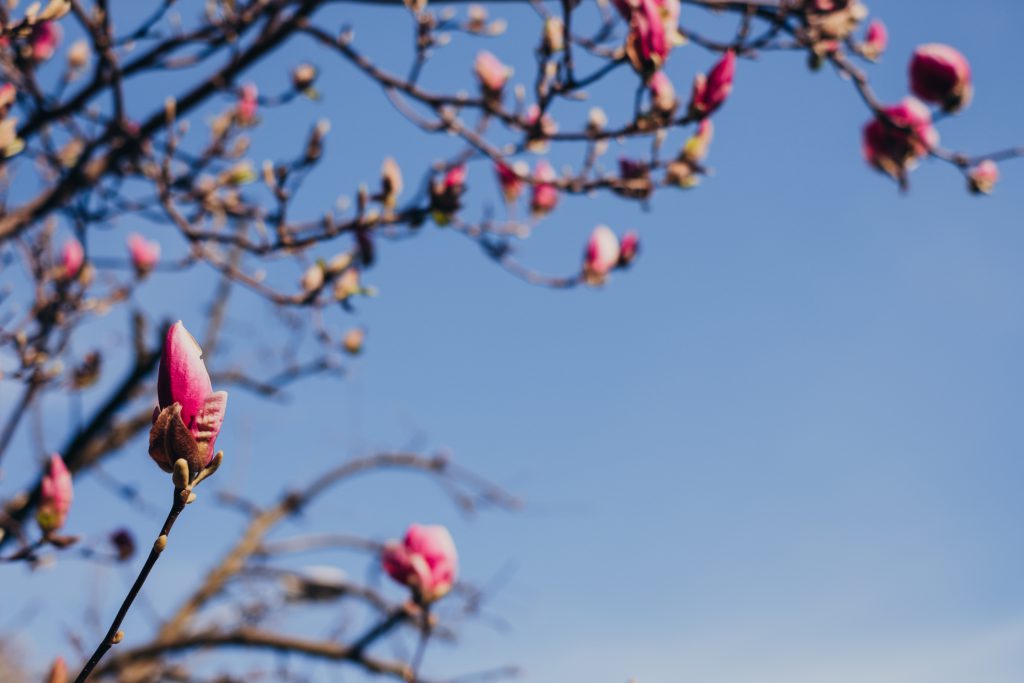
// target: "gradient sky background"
[[784, 447]]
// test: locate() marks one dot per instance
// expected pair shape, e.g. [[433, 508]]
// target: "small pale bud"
[[353, 340]]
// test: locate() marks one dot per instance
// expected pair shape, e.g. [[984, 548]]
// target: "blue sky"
[[784, 447]]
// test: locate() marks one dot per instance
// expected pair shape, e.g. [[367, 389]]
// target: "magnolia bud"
[[353, 340], [940, 74], [425, 560]]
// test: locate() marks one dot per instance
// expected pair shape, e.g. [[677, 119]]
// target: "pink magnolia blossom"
[[545, 194], [188, 420], [876, 39], [709, 92], [56, 493], [248, 103], [629, 248], [425, 561], [982, 177], [492, 74], [45, 39], [71, 257], [509, 180], [940, 74], [647, 44], [663, 93], [144, 253], [893, 146], [601, 254]]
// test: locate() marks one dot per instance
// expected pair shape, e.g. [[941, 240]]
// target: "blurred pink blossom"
[[629, 248], [983, 176], [893, 146], [45, 39], [425, 561], [71, 257], [248, 103], [545, 194], [56, 493], [709, 92], [941, 75], [876, 39], [601, 254], [144, 253]]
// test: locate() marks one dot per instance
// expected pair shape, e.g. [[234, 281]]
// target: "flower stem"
[[114, 635]]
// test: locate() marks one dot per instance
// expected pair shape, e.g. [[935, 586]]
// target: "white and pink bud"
[[145, 254], [510, 179], [876, 40], [982, 177], [55, 495], [544, 197], [601, 255], [629, 248], [492, 74], [709, 92], [941, 75], [247, 106], [425, 561], [190, 413], [663, 94]]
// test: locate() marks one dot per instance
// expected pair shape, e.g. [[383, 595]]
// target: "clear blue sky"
[[784, 447]]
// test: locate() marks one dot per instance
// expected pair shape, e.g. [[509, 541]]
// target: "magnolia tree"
[[87, 150]]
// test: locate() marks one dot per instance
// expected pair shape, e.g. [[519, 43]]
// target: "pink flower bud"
[[876, 39], [189, 418], [492, 74], [71, 257], [455, 178], [425, 561], [940, 74], [709, 92], [144, 254], [55, 496], [248, 103], [44, 40], [647, 46], [629, 248], [894, 146], [982, 178], [663, 94], [601, 255], [509, 180], [545, 193]]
